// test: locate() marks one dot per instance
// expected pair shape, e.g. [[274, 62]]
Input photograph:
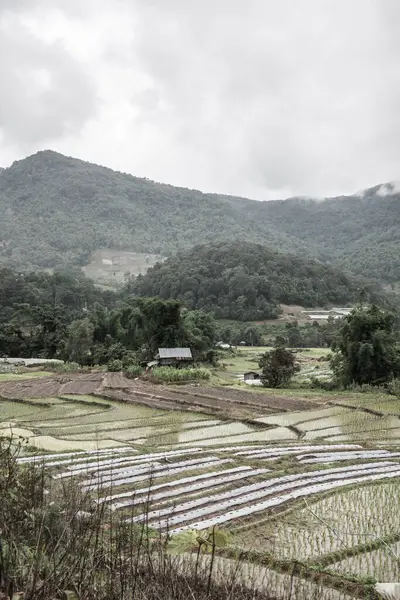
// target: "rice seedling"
[[342, 520], [382, 564]]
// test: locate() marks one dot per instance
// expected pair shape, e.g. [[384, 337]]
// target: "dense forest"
[[360, 233], [246, 281], [57, 210], [64, 316]]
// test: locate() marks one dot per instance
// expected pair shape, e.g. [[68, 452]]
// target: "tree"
[[278, 367], [79, 344], [200, 328], [294, 335], [365, 348]]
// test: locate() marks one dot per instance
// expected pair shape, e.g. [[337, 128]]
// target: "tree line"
[[246, 281], [65, 316], [366, 351]]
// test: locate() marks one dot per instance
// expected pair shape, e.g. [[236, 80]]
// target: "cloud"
[[45, 94], [389, 189], [261, 98]]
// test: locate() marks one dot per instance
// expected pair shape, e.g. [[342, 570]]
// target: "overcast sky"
[[259, 98]]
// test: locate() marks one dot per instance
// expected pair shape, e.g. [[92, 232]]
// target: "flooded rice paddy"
[[268, 507]]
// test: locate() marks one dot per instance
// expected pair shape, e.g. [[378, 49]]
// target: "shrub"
[[115, 365], [172, 375], [133, 371], [67, 367], [393, 387], [321, 384]]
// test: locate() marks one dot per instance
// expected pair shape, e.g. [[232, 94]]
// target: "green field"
[[236, 362], [27, 375]]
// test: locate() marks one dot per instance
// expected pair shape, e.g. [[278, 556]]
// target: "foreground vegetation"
[[56, 544], [172, 375]]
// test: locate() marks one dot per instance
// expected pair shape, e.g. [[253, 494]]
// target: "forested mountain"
[[360, 233], [246, 281], [55, 211]]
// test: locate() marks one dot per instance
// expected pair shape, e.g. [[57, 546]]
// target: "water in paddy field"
[[89, 422]]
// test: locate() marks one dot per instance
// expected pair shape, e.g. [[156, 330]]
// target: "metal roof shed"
[[176, 353]]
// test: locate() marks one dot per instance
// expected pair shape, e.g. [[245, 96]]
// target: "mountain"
[[56, 211], [246, 281], [360, 233]]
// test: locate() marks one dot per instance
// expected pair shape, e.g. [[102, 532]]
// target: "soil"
[[224, 402], [46, 387]]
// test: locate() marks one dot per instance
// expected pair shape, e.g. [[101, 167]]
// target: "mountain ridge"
[[57, 210]]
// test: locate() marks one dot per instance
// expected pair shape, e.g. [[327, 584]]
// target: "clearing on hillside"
[[110, 267]]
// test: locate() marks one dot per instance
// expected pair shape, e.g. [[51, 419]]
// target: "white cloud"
[[261, 98], [45, 93], [389, 189]]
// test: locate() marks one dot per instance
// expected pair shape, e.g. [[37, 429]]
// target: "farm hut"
[[174, 357], [151, 364], [251, 375]]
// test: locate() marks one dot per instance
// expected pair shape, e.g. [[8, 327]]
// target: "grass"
[[384, 563], [172, 375], [26, 375]]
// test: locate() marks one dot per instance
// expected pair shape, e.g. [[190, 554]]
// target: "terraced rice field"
[[247, 487], [299, 484], [315, 528], [383, 564], [89, 422]]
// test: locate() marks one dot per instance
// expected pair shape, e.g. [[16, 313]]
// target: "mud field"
[[222, 401]]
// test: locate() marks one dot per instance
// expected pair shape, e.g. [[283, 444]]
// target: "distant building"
[[222, 345], [342, 311], [250, 375], [324, 315], [174, 356], [319, 317]]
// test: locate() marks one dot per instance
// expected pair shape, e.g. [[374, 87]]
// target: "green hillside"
[[246, 281], [360, 233], [56, 211]]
